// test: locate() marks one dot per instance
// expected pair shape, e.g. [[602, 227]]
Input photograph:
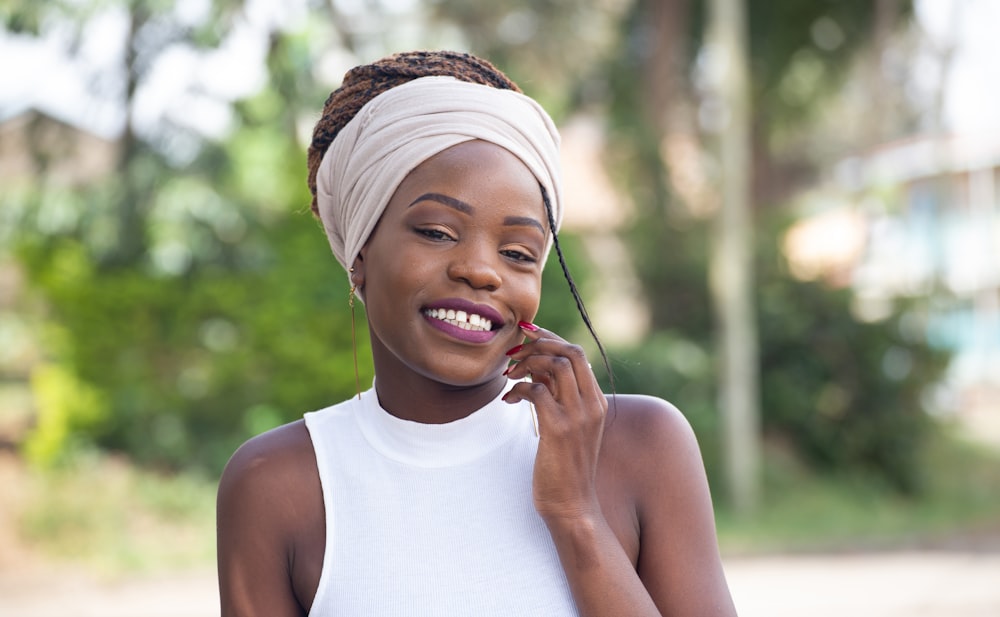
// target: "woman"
[[485, 473]]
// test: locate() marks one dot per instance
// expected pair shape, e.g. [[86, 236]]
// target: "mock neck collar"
[[442, 445]]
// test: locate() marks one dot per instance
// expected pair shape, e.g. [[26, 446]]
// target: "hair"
[[363, 83]]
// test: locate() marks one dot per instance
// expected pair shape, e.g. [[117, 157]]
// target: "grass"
[[959, 508], [104, 513], [107, 515]]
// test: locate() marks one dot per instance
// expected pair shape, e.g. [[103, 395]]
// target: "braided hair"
[[363, 83]]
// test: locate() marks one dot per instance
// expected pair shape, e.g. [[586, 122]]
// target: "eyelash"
[[436, 235], [518, 256]]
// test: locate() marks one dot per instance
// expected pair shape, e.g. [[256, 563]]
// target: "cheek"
[[530, 294], [394, 285]]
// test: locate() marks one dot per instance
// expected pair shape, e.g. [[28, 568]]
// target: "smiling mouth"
[[461, 319]]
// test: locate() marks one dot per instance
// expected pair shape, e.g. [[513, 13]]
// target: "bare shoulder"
[[269, 471], [277, 455], [648, 429], [650, 449]]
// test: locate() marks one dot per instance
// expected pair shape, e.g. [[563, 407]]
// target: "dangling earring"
[[354, 336]]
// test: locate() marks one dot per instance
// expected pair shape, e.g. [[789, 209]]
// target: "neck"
[[410, 395]]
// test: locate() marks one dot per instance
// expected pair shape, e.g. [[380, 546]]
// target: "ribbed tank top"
[[432, 520]]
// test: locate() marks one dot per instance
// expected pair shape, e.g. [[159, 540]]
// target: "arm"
[[679, 561], [678, 571], [255, 504]]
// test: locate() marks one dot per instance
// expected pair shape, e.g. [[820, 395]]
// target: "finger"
[[533, 332], [551, 370], [559, 419], [535, 393], [554, 346]]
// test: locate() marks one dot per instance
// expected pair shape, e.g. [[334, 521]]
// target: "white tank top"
[[432, 520]]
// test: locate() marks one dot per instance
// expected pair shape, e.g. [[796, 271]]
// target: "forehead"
[[478, 172]]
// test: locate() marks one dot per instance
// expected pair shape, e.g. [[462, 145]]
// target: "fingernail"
[[513, 350], [505, 398], [509, 369], [527, 326]]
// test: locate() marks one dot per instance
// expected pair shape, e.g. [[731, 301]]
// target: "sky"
[[973, 87], [194, 90]]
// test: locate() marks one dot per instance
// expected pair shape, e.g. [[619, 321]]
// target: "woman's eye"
[[518, 255], [433, 234]]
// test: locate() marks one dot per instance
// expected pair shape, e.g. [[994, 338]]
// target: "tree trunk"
[[132, 243], [731, 265]]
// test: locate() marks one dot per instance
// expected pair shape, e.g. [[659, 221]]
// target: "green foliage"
[[190, 365], [65, 407]]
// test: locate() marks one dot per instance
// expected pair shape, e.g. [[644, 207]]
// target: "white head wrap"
[[401, 128]]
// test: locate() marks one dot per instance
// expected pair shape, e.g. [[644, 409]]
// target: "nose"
[[476, 266]]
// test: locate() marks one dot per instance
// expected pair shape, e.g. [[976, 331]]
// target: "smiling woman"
[[438, 186]]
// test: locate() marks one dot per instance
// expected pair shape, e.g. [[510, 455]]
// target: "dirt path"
[[908, 584], [77, 594]]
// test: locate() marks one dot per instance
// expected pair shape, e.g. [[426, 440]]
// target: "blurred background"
[[784, 217]]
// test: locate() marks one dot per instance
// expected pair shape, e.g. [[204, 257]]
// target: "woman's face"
[[453, 265]]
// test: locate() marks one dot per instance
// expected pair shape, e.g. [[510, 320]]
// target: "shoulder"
[[279, 451], [652, 447], [275, 467], [647, 426]]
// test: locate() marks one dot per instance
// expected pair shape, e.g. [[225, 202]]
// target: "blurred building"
[[919, 218], [33, 142]]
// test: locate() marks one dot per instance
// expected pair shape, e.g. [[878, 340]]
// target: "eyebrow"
[[461, 206], [523, 220], [451, 202]]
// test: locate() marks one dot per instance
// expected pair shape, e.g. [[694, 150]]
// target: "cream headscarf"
[[406, 125]]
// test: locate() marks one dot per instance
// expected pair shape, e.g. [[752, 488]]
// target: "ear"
[[357, 273]]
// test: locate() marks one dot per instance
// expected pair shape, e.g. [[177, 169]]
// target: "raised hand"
[[571, 409]]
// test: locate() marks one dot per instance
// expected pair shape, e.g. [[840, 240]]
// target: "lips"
[[464, 320]]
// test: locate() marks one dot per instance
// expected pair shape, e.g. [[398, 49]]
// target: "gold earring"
[[354, 336]]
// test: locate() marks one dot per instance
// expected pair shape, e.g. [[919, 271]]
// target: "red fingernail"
[[505, 396], [509, 369], [527, 326], [513, 350]]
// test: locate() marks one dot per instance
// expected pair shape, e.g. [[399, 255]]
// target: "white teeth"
[[461, 319]]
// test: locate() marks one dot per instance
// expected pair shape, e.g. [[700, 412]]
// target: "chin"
[[465, 379]]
